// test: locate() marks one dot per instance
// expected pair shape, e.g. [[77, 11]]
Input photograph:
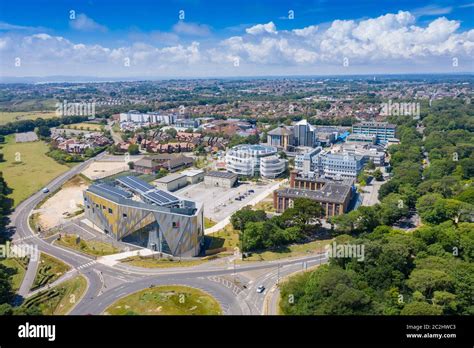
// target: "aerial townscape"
[[262, 169]]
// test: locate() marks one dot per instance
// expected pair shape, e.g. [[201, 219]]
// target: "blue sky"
[[234, 38]]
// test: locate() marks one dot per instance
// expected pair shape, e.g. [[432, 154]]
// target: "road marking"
[[86, 265]]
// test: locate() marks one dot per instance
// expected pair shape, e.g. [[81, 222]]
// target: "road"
[[107, 283]]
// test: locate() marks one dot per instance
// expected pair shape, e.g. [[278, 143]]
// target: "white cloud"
[[84, 23], [374, 44], [268, 28], [307, 31]]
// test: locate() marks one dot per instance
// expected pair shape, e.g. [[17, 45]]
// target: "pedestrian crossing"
[[86, 265], [23, 238]]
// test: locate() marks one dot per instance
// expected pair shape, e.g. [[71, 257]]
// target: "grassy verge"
[[208, 223], [266, 204], [166, 300], [294, 250], [225, 238], [150, 262], [49, 270], [18, 268], [26, 168], [60, 299], [91, 247]]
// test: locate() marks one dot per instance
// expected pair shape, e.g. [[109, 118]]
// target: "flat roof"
[[192, 172], [331, 193], [375, 124], [220, 174], [170, 178]]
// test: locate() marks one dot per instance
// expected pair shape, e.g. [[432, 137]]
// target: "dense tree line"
[[30, 125], [426, 271]]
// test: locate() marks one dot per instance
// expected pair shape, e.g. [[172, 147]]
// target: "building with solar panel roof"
[[131, 210]]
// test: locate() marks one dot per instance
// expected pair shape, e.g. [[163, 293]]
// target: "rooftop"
[[170, 178], [331, 193], [222, 174]]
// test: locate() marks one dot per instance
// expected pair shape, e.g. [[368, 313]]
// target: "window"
[[110, 211], [175, 224], [124, 215]]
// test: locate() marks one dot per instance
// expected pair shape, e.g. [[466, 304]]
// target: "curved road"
[[106, 284]]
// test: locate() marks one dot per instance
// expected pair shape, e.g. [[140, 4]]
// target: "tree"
[[428, 280], [370, 165], [133, 149], [172, 132], [304, 214], [378, 176], [241, 217], [421, 308], [43, 132]]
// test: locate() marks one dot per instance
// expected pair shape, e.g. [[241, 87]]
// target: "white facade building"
[[246, 160], [134, 116]]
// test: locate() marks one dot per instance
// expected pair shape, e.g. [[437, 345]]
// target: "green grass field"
[[290, 251], [166, 300], [60, 299], [150, 262], [19, 267], [32, 172], [90, 247], [85, 126], [49, 270], [224, 238], [208, 223], [6, 116]]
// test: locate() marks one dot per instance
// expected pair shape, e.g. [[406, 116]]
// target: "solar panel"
[[135, 184], [113, 190], [161, 198]]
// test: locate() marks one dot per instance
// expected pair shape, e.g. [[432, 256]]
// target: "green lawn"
[[7, 116], [60, 299], [166, 300], [32, 172], [18, 267], [208, 223], [93, 127], [90, 247], [155, 262], [290, 251], [49, 270], [224, 238]]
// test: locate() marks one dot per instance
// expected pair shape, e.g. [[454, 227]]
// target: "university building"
[[334, 196], [131, 210]]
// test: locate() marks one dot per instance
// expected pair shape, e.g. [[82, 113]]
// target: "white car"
[[45, 190], [260, 289]]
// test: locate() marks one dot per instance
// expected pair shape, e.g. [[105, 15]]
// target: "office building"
[[281, 137], [132, 210], [245, 160], [334, 196], [304, 134], [382, 130]]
